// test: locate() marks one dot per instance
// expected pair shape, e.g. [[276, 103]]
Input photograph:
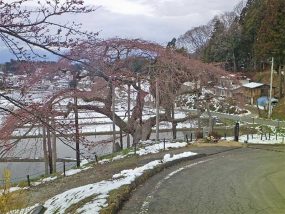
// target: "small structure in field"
[[254, 90]]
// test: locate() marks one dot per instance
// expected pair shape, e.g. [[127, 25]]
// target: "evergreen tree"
[[214, 52], [250, 21], [271, 35]]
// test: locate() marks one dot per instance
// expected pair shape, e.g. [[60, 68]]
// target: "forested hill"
[[244, 39]]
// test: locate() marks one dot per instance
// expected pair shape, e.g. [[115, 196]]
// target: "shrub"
[[199, 135], [10, 201], [213, 137]]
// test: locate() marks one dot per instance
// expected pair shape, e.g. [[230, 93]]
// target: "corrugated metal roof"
[[253, 85]]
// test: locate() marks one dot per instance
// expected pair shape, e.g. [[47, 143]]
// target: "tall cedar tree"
[[271, 35]]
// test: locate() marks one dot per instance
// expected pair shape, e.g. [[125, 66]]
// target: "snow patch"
[[75, 171], [101, 189], [150, 148]]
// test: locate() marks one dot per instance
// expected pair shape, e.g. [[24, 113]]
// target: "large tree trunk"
[[146, 130], [137, 135], [142, 131]]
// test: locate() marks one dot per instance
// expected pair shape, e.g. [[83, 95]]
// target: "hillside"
[[279, 110], [264, 77]]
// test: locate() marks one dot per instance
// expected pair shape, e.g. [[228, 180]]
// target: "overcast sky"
[[154, 20]]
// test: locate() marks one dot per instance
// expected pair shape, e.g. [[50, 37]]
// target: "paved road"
[[245, 180], [251, 119], [247, 119]]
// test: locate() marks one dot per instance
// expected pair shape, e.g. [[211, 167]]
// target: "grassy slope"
[[264, 77], [279, 110]]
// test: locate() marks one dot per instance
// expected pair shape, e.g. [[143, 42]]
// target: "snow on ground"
[[109, 127], [44, 180], [94, 122], [23, 211], [75, 171], [150, 147], [99, 191], [12, 189], [257, 139], [117, 157], [158, 147]]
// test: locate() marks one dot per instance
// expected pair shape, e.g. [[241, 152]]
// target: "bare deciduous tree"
[[119, 62], [195, 39], [31, 30], [26, 27]]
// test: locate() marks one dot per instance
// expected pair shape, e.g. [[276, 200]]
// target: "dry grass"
[[279, 110], [264, 77], [222, 143]]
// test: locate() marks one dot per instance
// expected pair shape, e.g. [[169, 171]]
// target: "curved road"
[[244, 180]]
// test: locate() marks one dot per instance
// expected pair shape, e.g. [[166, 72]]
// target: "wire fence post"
[[64, 168], [28, 179], [164, 144], [187, 140]]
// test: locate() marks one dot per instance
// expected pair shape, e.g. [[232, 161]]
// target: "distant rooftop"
[[253, 85]]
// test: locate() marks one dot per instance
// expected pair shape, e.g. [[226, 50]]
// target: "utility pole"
[[157, 110], [76, 132], [53, 139], [270, 92], [113, 115], [129, 113], [49, 149], [76, 123], [45, 149], [174, 130]]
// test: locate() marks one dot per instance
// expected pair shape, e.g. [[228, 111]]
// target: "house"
[[253, 90], [229, 86], [14, 81]]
